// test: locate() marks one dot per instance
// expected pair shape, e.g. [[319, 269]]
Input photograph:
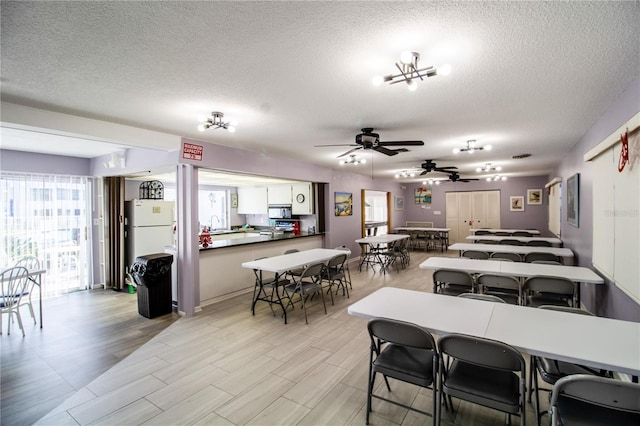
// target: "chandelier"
[[408, 67], [471, 147], [352, 160], [488, 168], [215, 121]]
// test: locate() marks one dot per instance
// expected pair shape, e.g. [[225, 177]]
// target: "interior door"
[[466, 210]]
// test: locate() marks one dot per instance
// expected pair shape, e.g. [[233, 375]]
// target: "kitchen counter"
[[220, 265], [251, 237]]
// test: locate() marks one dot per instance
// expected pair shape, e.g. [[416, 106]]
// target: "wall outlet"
[[437, 212]]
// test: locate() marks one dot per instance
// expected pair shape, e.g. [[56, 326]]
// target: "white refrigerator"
[[148, 227]]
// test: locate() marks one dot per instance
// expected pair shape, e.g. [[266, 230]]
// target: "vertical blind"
[[46, 216]]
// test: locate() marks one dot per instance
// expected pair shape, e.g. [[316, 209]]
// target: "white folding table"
[[494, 248], [373, 243], [286, 262], [592, 341], [515, 269], [444, 232], [494, 230], [557, 242]]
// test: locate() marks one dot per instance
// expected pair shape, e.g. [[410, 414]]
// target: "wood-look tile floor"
[[223, 366]]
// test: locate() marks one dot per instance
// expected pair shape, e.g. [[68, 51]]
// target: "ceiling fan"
[[455, 177], [369, 140], [430, 166]]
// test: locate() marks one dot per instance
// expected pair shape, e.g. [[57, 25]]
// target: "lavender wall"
[[606, 300], [533, 216], [29, 162]]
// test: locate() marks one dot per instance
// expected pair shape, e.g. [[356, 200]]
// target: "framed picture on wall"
[[534, 196], [344, 203], [423, 195], [573, 200], [399, 203], [516, 203]]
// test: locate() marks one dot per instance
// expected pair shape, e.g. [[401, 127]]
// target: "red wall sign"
[[192, 151]]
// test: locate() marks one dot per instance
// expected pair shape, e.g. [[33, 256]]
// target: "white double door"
[[466, 210]]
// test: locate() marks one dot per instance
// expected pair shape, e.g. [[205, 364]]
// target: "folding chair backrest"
[[610, 394], [337, 260], [479, 351], [539, 243], [511, 242], [475, 254], [313, 270], [401, 333], [450, 276], [29, 262], [484, 297], [522, 234], [530, 257], [546, 284], [498, 281], [514, 257]]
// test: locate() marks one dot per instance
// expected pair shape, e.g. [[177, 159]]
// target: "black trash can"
[[152, 275]]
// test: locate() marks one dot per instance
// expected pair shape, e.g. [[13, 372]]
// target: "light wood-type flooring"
[[97, 361]]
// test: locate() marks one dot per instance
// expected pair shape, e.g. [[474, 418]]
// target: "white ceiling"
[[528, 77]]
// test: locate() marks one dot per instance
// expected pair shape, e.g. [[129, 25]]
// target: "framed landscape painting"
[[399, 203], [344, 203]]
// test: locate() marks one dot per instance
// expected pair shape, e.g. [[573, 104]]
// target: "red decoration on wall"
[[624, 152]]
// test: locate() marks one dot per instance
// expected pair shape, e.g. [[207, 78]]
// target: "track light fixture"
[[352, 160], [215, 121], [405, 174], [471, 147], [488, 168], [409, 70]]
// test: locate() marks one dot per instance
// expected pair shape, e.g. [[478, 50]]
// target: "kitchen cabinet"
[[279, 194], [302, 199], [252, 200]]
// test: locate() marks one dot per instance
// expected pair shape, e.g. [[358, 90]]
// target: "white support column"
[[188, 261]]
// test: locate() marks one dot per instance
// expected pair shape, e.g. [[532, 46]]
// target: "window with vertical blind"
[[616, 208], [554, 188]]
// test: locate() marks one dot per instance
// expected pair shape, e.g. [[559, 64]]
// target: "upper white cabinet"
[[279, 194], [252, 200], [302, 199]]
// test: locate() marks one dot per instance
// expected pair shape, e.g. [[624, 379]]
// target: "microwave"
[[280, 211]]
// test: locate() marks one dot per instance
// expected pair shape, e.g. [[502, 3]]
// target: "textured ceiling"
[[528, 77]]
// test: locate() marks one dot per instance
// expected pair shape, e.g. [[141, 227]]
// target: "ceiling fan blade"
[[424, 173], [386, 151], [349, 152], [340, 144], [401, 143], [444, 169]]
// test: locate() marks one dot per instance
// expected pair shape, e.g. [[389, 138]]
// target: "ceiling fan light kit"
[[488, 168], [352, 160], [215, 120], [405, 174], [408, 67], [471, 147]]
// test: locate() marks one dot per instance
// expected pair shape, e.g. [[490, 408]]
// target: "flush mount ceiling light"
[[215, 121], [405, 174], [352, 160], [431, 182], [488, 168], [409, 70], [471, 147], [496, 177]]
